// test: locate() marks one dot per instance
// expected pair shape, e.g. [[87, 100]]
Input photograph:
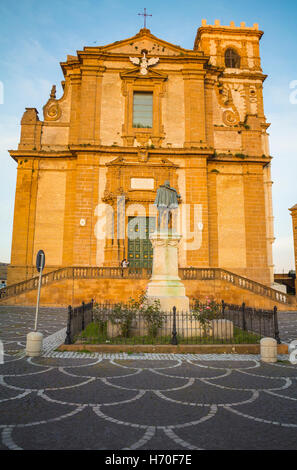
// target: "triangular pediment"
[[149, 160], [144, 40], [151, 73]]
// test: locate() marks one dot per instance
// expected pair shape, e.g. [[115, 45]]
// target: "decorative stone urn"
[[165, 284]]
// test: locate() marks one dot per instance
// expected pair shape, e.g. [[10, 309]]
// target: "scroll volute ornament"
[[52, 110], [230, 116]]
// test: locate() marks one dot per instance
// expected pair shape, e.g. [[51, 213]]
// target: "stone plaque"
[[142, 183]]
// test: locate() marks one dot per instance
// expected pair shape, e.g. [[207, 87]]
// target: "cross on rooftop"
[[144, 16]]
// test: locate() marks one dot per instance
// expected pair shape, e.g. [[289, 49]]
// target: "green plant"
[[206, 311], [123, 315], [151, 313], [240, 155]]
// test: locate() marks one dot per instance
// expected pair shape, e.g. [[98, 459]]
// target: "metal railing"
[[232, 324], [262, 322], [78, 319], [90, 272]]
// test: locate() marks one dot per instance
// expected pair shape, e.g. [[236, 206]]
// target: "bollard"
[[1, 352], [34, 344], [174, 332], [268, 349]]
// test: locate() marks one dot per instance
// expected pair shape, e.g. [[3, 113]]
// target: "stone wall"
[[73, 292]]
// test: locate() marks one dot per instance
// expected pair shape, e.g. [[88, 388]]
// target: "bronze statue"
[[166, 201]]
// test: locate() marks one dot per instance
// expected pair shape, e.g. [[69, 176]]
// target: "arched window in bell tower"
[[232, 59]]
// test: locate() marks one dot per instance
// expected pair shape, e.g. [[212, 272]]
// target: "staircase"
[[202, 274]]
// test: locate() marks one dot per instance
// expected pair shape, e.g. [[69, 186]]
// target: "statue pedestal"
[[165, 284]]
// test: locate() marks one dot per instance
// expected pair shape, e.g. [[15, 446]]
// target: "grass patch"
[[96, 333]]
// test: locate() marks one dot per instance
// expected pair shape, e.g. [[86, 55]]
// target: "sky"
[[36, 35]]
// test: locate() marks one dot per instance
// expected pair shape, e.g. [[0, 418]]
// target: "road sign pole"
[[38, 294]]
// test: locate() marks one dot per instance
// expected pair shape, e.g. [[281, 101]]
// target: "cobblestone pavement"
[[153, 401], [287, 326], [16, 322]]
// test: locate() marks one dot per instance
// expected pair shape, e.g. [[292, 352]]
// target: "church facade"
[[134, 114]]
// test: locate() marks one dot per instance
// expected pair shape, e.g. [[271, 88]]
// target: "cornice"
[[248, 74], [191, 151], [15, 154], [233, 159], [74, 150], [207, 154]]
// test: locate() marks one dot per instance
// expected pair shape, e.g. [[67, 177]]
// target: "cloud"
[[28, 55], [10, 132], [283, 254]]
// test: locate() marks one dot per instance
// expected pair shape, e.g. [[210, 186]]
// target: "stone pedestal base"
[[167, 303], [165, 284], [268, 350], [34, 344]]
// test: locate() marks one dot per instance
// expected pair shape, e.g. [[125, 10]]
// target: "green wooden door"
[[140, 250]]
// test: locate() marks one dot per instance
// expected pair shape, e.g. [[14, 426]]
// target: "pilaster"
[[194, 107], [85, 195], [90, 105]]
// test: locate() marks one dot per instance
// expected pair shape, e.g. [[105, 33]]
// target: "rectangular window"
[[143, 109]]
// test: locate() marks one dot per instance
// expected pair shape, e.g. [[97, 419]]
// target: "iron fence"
[[78, 319], [110, 323], [262, 322]]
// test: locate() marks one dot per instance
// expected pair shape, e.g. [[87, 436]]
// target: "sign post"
[[34, 339], [40, 262]]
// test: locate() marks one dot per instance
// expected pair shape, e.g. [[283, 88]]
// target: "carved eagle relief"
[[143, 62]]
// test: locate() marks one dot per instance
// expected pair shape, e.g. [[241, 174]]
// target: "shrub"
[[205, 312], [152, 315], [123, 315]]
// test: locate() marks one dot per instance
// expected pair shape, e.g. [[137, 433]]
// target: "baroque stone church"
[[132, 115]]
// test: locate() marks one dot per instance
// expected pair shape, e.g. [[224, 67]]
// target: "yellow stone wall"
[[68, 292], [209, 138], [231, 221], [49, 216]]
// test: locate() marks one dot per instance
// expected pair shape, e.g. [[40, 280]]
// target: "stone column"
[[165, 284]]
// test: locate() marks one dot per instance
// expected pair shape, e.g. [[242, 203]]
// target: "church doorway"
[[140, 249]]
